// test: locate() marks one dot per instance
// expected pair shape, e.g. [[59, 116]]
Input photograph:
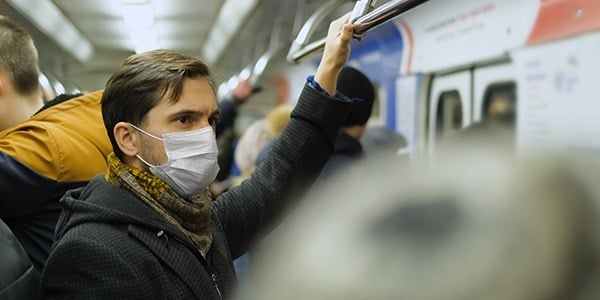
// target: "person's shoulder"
[[68, 102], [91, 236], [33, 145], [60, 114], [61, 138]]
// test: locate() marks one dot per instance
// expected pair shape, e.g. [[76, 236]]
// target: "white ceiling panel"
[[83, 8], [186, 8], [185, 27]]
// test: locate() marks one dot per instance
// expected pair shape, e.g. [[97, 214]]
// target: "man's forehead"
[[204, 104]]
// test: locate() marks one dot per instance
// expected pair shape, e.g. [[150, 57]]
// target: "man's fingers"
[[347, 32]]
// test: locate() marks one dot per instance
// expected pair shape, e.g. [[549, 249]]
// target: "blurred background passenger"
[[500, 107], [225, 130], [20, 91], [500, 228], [257, 136], [348, 149]]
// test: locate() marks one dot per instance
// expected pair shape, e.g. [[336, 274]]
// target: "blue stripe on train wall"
[[379, 56]]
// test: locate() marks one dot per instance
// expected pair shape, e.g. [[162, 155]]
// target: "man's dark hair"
[[141, 82], [18, 57]]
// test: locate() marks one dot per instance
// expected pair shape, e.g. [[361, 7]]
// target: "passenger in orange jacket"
[[60, 148]]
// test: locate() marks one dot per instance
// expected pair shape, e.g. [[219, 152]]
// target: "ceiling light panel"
[[232, 15], [50, 20], [140, 21]]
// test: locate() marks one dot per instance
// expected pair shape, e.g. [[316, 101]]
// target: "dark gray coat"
[[110, 245], [18, 280]]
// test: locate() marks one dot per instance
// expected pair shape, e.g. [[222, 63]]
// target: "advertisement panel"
[[446, 34], [557, 91]]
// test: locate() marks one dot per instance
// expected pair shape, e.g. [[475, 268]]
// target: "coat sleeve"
[[84, 269], [293, 163]]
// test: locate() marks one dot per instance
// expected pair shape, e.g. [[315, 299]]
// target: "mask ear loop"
[[145, 162], [150, 135], [146, 133]]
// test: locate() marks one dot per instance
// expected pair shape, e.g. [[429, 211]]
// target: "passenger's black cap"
[[354, 84]]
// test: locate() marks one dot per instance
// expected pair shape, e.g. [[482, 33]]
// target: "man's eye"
[[183, 119]]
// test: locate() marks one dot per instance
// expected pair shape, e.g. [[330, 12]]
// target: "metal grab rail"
[[378, 16], [299, 45]]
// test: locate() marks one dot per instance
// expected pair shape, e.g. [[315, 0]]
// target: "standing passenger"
[[148, 229], [348, 149], [20, 97], [225, 133], [41, 156], [226, 125]]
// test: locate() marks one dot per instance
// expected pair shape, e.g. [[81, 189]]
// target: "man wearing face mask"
[[148, 228]]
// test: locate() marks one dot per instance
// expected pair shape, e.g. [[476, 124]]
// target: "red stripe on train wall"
[[411, 44], [561, 18]]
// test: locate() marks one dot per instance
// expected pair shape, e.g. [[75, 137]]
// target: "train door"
[[494, 95], [450, 105]]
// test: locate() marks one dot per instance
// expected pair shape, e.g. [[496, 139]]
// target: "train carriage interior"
[[485, 124]]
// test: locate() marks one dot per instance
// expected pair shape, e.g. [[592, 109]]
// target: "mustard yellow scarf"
[[190, 216]]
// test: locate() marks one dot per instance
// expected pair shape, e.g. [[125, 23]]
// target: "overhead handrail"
[[383, 14], [361, 8], [273, 47], [300, 43], [362, 25]]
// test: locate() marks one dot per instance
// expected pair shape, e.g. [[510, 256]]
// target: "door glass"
[[499, 104], [449, 116]]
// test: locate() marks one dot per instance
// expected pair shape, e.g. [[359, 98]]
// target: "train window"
[[499, 104], [449, 113], [378, 111]]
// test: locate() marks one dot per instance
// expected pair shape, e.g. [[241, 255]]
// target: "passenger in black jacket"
[[348, 149], [148, 228]]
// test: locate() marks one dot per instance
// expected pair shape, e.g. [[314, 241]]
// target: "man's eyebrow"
[[187, 112]]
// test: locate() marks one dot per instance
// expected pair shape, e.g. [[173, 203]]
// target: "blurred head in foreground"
[[481, 225]]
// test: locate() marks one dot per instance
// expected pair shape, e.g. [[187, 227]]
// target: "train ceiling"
[[82, 41]]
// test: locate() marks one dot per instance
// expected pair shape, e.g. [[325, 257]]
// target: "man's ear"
[[126, 138]]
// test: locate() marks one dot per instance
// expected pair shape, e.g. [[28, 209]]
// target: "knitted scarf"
[[190, 216]]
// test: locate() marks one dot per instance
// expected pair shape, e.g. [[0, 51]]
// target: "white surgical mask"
[[192, 160]]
